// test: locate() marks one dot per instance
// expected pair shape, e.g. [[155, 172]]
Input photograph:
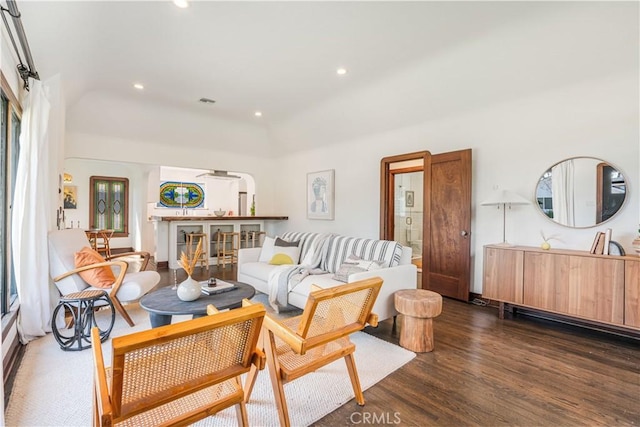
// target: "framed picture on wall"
[[408, 199], [320, 198], [70, 197]]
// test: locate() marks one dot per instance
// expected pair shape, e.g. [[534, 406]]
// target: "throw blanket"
[[286, 277]]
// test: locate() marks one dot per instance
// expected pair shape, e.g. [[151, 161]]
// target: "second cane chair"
[[180, 373], [300, 345]]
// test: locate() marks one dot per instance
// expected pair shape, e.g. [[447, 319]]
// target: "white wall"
[[522, 97], [93, 146], [514, 138], [81, 171]]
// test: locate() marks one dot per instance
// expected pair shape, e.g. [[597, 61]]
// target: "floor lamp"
[[505, 199]]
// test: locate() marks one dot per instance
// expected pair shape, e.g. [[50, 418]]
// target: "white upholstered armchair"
[[127, 286]]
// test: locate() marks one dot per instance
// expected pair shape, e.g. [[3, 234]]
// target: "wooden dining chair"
[[102, 243], [300, 345], [180, 373]]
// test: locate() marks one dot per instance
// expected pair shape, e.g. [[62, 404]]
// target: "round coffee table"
[[164, 303]]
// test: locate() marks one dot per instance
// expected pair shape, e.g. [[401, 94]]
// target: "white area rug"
[[53, 387]]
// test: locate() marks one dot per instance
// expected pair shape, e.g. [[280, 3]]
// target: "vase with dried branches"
[[189, 289]]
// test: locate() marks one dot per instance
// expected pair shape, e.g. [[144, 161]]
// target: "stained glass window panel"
[[109, 202]]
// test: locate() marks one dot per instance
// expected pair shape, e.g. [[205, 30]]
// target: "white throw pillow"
[[355, 264], [285, 255], [267, 249]]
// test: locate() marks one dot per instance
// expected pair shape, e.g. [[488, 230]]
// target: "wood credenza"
[[595, 288]]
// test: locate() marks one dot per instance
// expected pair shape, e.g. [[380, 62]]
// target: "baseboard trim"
[[115, 251]]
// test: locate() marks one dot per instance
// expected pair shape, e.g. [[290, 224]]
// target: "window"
[[9, 150], [109, 204]]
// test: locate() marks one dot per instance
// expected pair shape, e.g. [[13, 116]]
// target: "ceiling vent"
[[219, 175]]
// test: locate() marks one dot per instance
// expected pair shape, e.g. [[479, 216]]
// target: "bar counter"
[[219, 218]]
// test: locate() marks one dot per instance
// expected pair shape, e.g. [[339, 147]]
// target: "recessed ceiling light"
[[138, 86], [182, 4], [258, 114], [341, 71]]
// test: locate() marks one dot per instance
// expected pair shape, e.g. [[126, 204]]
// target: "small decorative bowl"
[[219, 213]]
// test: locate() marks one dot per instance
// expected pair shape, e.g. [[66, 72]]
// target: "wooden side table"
[[418, 308]]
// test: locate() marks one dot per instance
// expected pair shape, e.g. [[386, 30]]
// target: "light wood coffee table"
[[164, 303]]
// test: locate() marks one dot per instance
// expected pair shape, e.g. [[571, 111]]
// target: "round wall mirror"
[[581, 192]]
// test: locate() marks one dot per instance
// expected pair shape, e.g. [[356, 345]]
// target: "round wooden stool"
[[418, 307]]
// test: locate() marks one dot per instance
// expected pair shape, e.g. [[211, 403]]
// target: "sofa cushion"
[[287, 255], [286, 243], [266, 253], [258, 270], [354, 264], [307, 240], [101, 277], [340, 247], [300, 293]]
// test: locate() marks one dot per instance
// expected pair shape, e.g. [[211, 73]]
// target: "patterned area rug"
[[54, 387]]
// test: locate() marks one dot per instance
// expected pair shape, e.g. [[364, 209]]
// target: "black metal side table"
[[81, 306]]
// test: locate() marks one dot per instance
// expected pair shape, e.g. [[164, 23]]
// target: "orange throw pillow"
[[98, 277]]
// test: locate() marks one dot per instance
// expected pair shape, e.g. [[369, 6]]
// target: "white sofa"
[[397, 270]]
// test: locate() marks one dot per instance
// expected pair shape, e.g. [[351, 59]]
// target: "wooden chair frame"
[[328, 317], [123, 266], [206, 340]]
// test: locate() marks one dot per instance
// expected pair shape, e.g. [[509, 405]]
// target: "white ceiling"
[[276, 57]]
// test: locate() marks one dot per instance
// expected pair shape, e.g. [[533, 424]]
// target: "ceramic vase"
[[189, 290], [636, 244]]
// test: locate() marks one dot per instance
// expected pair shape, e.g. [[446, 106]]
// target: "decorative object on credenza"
[[220, 212], [545, 240], [253, 206], [320, 195], [189, 289], [505, 199], [636, 243], [616, 248], [602, 243]]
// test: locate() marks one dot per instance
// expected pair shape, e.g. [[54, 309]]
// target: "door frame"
[[387, 182]]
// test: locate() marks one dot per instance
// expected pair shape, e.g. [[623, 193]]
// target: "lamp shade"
[[505, 197]]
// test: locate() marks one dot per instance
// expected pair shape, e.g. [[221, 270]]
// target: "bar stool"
[[256, 236], [192, 242], [228, 243], [81, 306]]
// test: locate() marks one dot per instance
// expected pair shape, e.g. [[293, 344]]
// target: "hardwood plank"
[[486, 371], [519, 371]]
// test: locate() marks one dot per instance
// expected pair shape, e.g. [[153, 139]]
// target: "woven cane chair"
[[303, 344], [180, 373]]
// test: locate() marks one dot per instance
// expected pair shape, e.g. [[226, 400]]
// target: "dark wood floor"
[[485, 371]]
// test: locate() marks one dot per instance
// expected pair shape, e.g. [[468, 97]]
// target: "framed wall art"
[[408, 199], [320, 196], [70, 197]]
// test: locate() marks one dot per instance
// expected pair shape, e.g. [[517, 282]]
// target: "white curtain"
[[562, 181], [35, 201]]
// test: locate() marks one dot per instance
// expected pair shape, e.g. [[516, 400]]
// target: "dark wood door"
[[446, 269]]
